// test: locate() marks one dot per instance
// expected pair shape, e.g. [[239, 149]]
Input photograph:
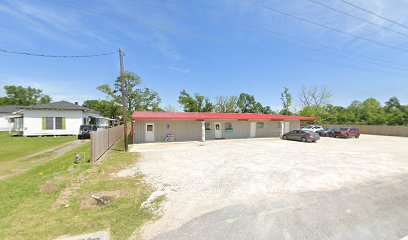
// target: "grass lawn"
[[16, 147], [52, 198]]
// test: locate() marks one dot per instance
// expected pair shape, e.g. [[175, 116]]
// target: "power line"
[[370, 60], [117, 15], [358, 18], [375, 14], [57, 56], [325, 26]]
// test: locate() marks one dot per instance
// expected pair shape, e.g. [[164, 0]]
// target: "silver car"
[[300, 135]]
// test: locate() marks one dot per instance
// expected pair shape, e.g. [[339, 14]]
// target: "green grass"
[[27, 211], [17, 147]]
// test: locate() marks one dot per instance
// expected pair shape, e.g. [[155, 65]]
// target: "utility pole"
[[122, 78]]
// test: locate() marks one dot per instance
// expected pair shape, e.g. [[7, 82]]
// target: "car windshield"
[[328, 129], [344, 129], [308, 127]]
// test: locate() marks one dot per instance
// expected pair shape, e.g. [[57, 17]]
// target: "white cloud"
[[178, 69]]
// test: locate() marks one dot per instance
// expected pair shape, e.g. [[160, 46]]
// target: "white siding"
[[4, 126], [33, 122]]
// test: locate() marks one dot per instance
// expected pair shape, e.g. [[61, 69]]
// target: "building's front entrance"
[[149, 132], [252, 131], [217, 131]]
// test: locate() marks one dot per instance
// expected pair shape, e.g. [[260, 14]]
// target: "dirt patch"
[[48, 187], [89, 203]]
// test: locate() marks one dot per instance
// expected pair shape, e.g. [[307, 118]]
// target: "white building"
[[5, 112], [57, 118]]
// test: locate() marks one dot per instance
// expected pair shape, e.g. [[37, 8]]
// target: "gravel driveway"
[[275, 189]]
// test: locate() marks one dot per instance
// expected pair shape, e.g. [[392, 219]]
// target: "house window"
[[149, 128], [228, 126], [259, 125], [49, 123], [207, 126], [58, 123]]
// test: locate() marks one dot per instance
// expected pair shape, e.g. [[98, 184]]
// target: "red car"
[[347, 132]]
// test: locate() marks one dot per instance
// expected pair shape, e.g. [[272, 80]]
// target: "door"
[[217, 130], [252, 132], [149, 132], [287, 127]]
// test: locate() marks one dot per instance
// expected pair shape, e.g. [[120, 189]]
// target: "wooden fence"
[[376, 130], [101, 141]]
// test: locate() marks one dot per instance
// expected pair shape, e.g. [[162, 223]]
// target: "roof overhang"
[[214, 116]]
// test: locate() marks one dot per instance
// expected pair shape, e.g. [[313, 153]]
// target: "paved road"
[[376, 211]]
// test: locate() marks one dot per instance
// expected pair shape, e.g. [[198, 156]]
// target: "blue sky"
[[210, 47]]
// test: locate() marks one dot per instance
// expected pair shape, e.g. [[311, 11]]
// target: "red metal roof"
[[213, 115]]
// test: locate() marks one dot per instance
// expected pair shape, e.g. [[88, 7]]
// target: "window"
[[259, 125], [58, 123], [228, 126], [49, 123], [149, 128], [207, 126]]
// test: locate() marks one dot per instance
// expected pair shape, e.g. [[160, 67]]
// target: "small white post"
[[282, 123], [203, 131]]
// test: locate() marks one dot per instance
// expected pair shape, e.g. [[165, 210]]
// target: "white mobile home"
[[57, 118]]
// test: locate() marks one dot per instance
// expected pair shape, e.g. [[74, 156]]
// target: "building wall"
[[183, 130], [189, 130], [4, 126], [33, 122]]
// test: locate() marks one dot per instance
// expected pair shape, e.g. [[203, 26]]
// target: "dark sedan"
[[300, 135], [327, 132]]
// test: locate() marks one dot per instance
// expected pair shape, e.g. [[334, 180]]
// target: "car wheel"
[[346, 136], [304, 139], [357, 136], [314, 141], [285, 137]]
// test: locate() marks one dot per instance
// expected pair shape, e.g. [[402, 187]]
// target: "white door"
[[252, 132], [217, 130], [287, 127], [149, 132]]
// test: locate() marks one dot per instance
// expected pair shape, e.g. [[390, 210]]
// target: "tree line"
[[314, 101]]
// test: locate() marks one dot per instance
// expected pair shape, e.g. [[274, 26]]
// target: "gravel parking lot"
[[276, 189]]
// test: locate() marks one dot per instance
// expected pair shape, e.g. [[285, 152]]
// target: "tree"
[[314, 97], [286, 98], [226, 104], [372, 112], [137, 97], [109, 109], [170, 108], [247, 104], [23, 96], [197, 104]]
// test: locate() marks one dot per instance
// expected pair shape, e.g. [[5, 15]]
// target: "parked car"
[[301, 135], [347, 132], [85, 131], [312, 128], [327, 132]]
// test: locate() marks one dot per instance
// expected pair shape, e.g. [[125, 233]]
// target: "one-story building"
[[56, 118], [201, 126], [5, 112]]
